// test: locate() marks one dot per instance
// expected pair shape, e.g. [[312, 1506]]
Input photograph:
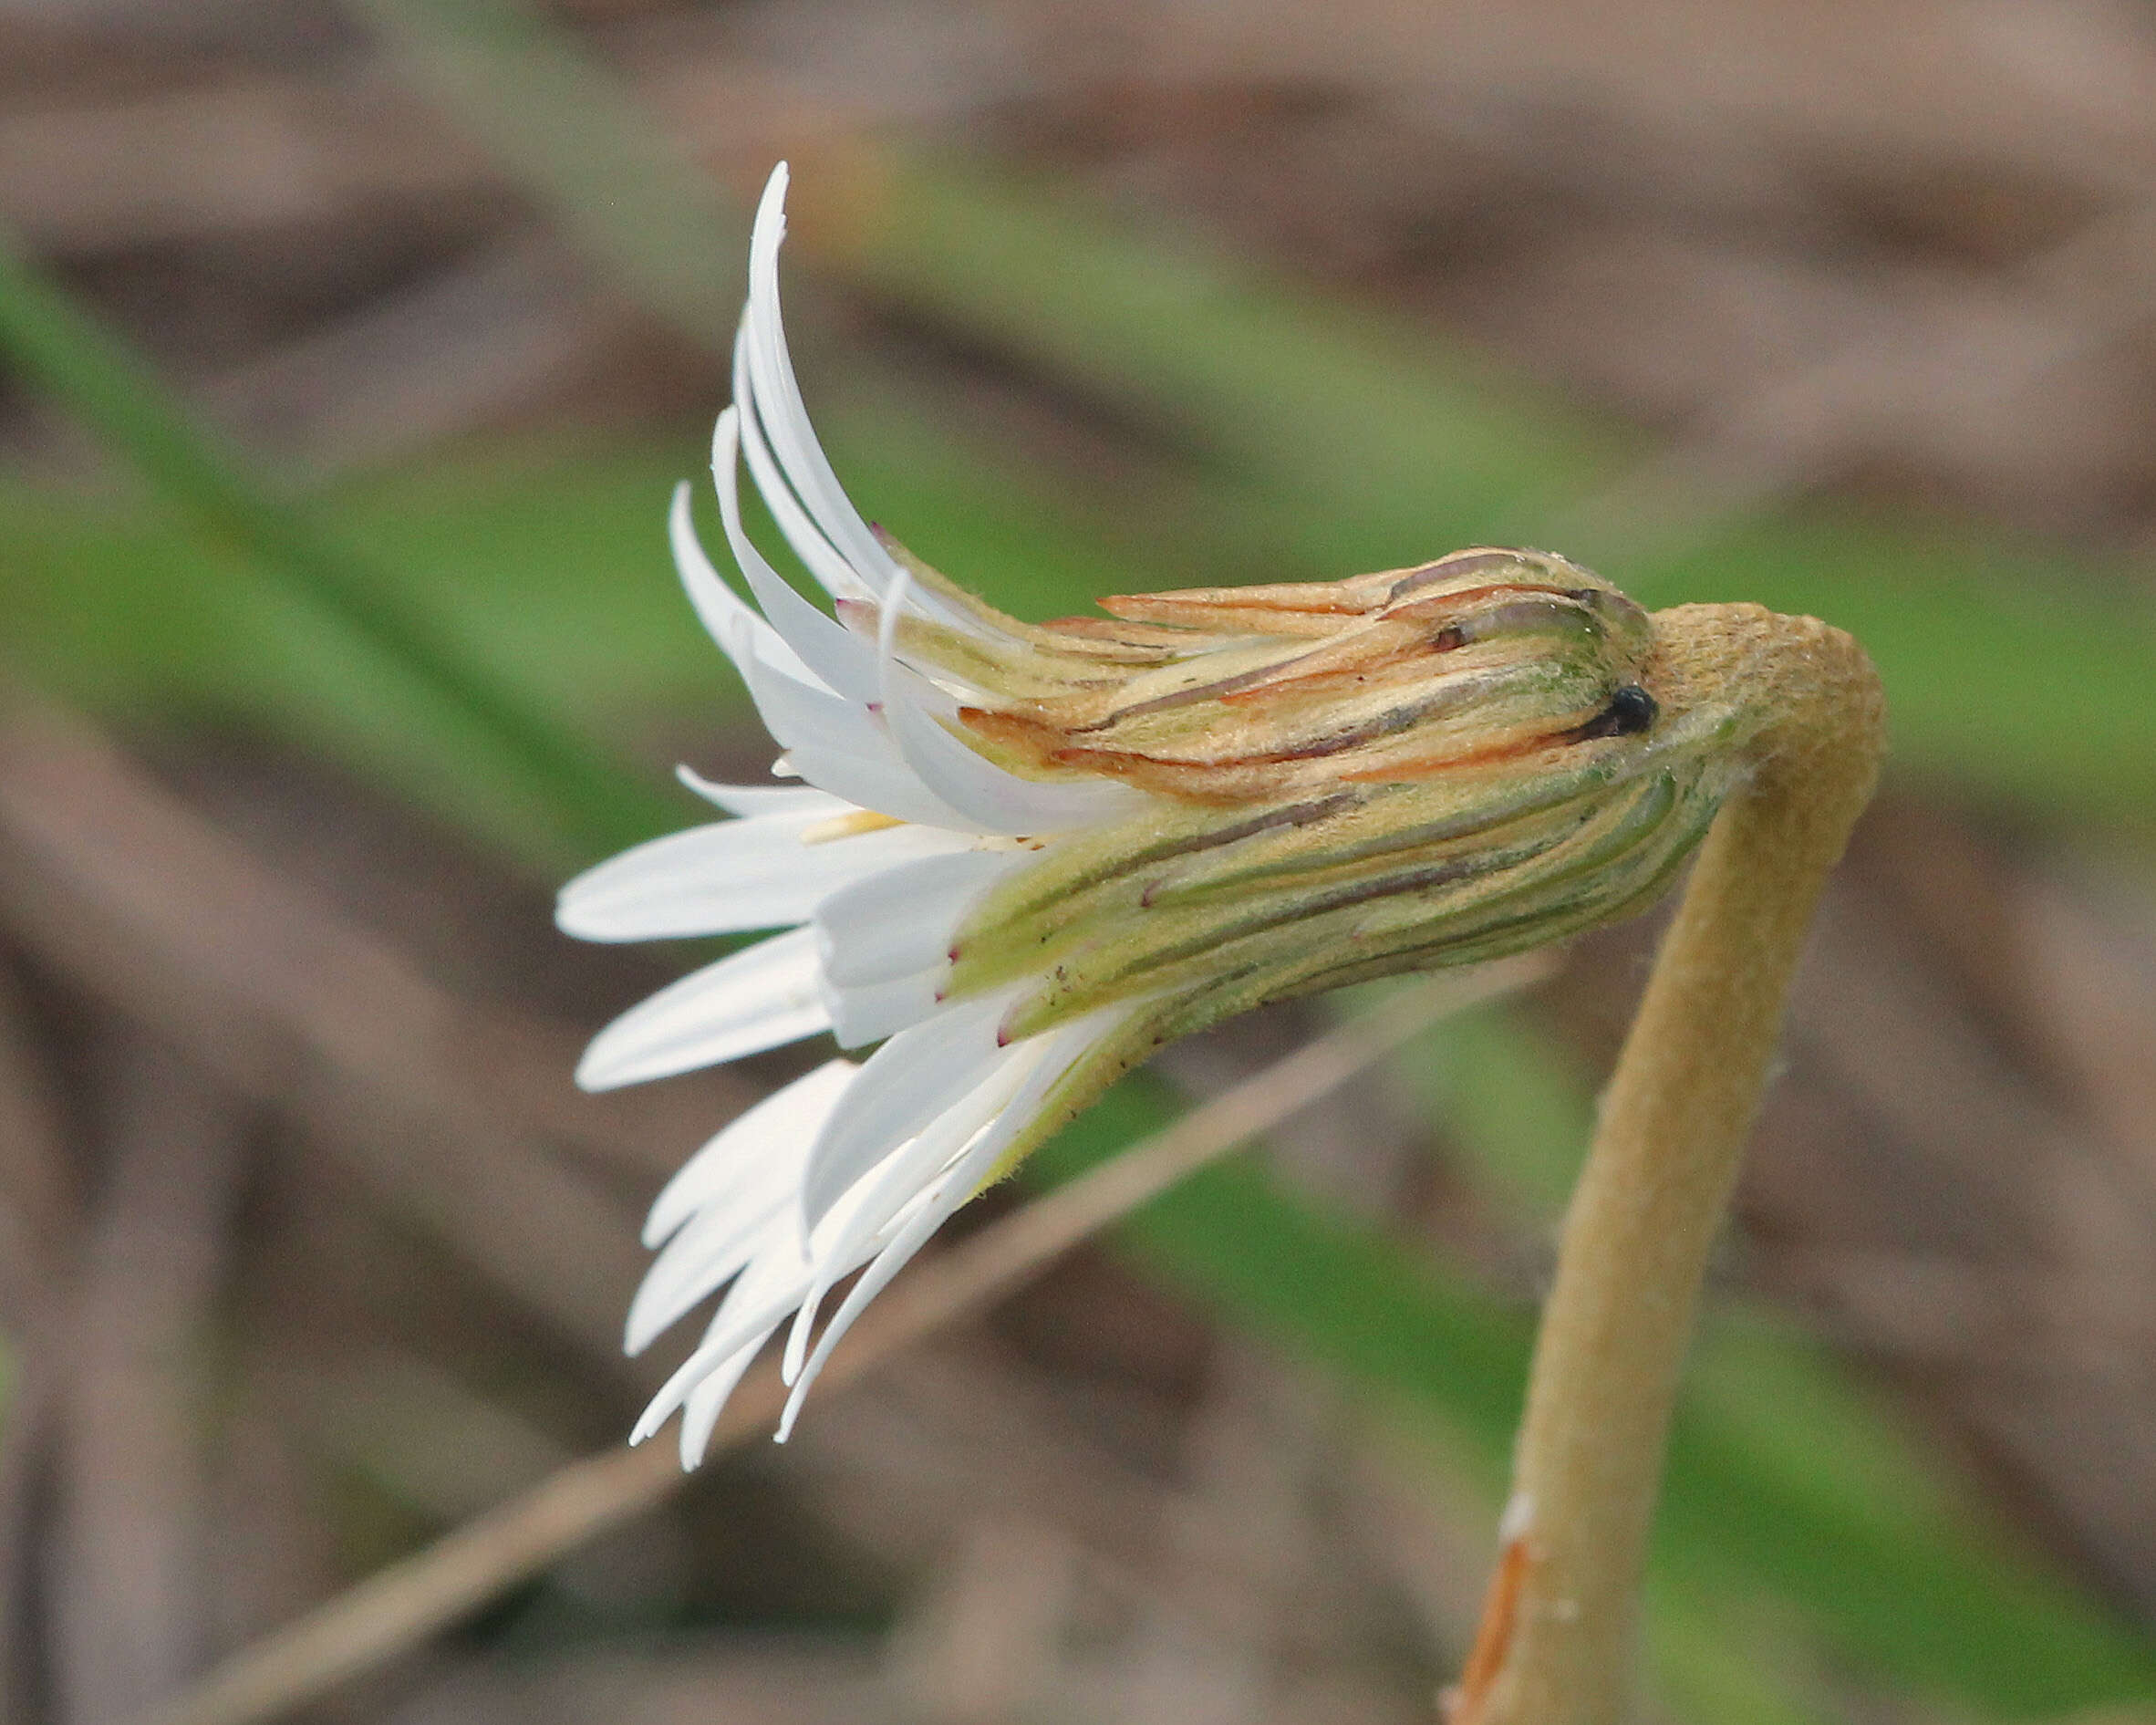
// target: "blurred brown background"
[[308, 1253]]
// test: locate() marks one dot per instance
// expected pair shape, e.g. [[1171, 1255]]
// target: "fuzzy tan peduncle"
[[1556, 1641]]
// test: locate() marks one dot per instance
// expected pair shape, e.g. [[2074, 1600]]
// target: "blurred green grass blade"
[[1396, 441], [1775, 1481], [99, 377], [581, 147], [2008, 672]]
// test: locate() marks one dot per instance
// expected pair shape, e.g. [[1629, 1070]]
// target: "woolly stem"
[[1556, 1639]]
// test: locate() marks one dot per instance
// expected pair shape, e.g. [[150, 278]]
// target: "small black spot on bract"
[[1631, 710]]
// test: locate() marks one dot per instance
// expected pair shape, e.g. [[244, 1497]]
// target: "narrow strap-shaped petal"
[[744, 1004], [727, 617], [710, 1252], [703, 1405], [837, 656], [823, 561], [761, 1298], [780, 406], [750, 800], [800, 708], [992, 799], [903, 1086], [898, 1183], [958, 1184], [731, 875], [764, 1140], [888, 1263], [903, 918], [870, 1012]]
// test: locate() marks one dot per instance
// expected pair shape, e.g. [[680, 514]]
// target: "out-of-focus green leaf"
[[96, 375]]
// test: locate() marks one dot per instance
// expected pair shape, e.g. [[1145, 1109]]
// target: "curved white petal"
[[802, 713], [779, 405], [898, 1181], [998, 801], [903, 918], [1065, 1048], [838, 746], [779, 1274], [838, 657], [750, 800], [994, 800], [901, 1089], [714, 1248], [746, 1002], [760, 1300], [727, 617], [731, 875], [873, 1011], [823, 559], [701, 1408], [888, 1263], [765, 1143], [878, 780]]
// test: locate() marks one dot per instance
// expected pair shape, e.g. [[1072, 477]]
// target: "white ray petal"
[[709, 1253], [877, 780], [904, 919], [779, 407], [748, 800], [745, 1179], [766, 1292], [773, 1285], [746, 1002], [727, 617], [897, 1182], [838, 657], [764, 1142], [806, 714], [868, 1013], [903, 1086], [888, 1263], [1066, 1048], [839, 746], [992, 799], [703, 1405], [731, 875], [995, 800], [832, 573]]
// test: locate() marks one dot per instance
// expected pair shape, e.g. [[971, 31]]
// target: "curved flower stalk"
[[1022, 856]]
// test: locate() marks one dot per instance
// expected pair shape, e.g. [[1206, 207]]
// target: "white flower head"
[[1020, 857]]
